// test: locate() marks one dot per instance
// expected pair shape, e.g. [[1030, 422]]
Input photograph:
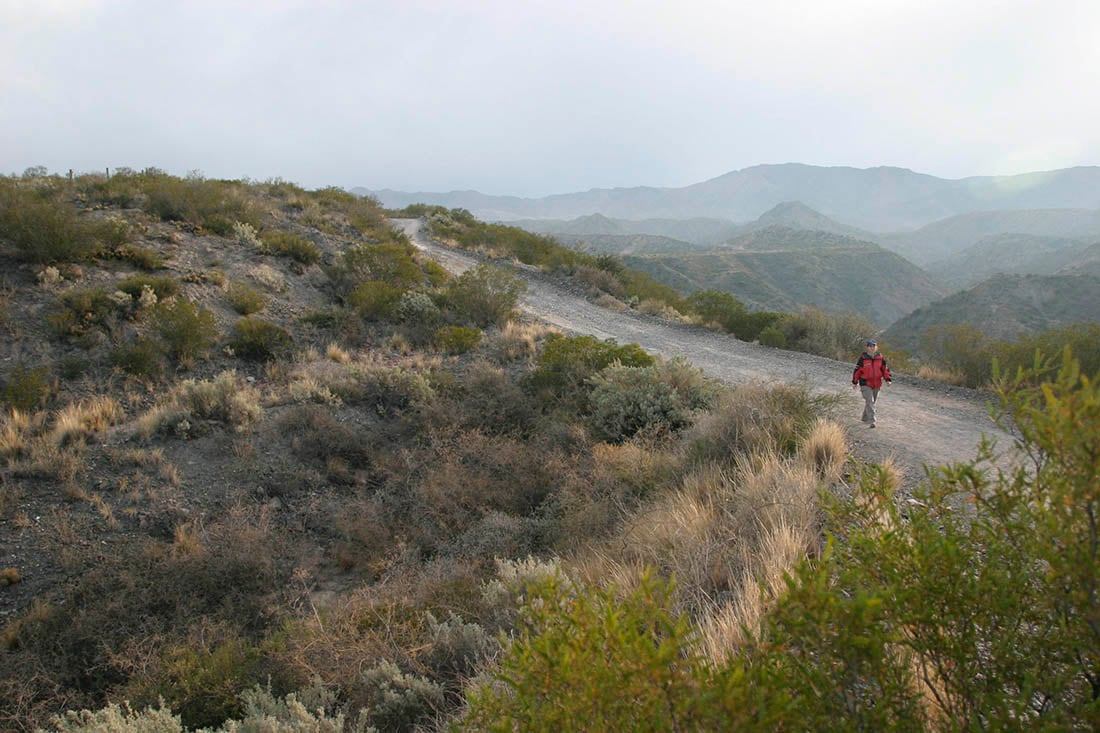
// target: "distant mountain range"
[[883, 199]]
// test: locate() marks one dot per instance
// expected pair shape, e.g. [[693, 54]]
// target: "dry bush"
[[948, 375], [596, 497], [516, 341], [599, 281], [488, 400], [335, 352], [227, 399], [611, 303], [754, 417]]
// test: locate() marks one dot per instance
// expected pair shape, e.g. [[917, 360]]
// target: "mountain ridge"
[[883, 198]]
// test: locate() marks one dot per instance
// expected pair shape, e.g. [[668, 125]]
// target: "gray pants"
[[870, 396]]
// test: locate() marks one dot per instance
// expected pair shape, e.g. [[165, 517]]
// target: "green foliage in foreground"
[[972, 608]]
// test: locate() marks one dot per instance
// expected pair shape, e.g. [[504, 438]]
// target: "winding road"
[[920, 422]]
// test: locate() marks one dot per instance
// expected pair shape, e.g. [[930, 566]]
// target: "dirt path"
[[920, 422]]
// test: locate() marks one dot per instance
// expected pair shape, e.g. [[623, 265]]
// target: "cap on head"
[[872, 342]]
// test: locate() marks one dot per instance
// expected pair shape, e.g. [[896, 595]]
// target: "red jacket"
[[871, 371]]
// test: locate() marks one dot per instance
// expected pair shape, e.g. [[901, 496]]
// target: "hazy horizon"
[[533, 99]]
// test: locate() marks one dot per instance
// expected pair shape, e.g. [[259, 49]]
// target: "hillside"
[[947, 237], [883, 199], [1006, 306], [1011, 254], [778, 268]]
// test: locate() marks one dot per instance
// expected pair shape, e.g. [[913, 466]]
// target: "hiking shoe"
[[871, 425]]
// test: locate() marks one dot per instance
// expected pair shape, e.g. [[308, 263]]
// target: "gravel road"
[[920, 422]]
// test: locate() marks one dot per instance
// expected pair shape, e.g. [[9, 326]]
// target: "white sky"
[[528, 97]]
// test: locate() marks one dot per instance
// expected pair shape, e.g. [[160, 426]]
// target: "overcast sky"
[[532, 98]]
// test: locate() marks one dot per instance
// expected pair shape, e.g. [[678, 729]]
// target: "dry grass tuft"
[[81, 420], [334, 352], [517, 341], [826, 450]]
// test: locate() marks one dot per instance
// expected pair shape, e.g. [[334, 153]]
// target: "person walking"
[[870, 374]]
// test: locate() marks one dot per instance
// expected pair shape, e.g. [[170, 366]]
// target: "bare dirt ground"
[[921, 423]]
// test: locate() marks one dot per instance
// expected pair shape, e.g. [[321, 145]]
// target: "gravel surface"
[[920, 422]]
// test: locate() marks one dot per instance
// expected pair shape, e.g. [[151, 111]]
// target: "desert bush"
[[214, 205], [259, 340], [585, 655], [45, 229], [26, 387], [625, 401], [315, 435], [80, 420], [140, 357], [141, 257], [81, 311], [290, 245], [488, 401], [567, 362], [398, 701], [772, 336], [836, 336], [754, 418], [962, 348], [393, 264], [245, 234], [418, 310], [375, 300], [162, 287], [457, 339], [485, 295], [599, 280], [245, 299], [516, 341], [186, 330], [123, 189]]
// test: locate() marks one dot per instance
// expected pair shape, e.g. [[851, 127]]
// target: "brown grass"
[[942, 374], [517, 341], [79, 421], [825, 449]]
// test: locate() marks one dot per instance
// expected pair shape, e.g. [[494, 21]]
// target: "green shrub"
[[123, 189], [375, 300], [291, 245], [25, 387], [457, 339], [772, 336], [485, 295], [186, 330], [258, 340], [566, 363], [245, 299], [714, 306], [163, 287], [390, 263], [214, 205], [45, 229], [625, 401], [586, 659], [418, 310], [963, 348], [141, 357]]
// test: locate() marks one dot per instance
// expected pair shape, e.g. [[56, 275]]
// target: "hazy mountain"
[[1018, 254], [623, 244], [779, 268], [699, 231], [878, 199], [679, 232], [944, 238], [1006, 306], [1087, 263]]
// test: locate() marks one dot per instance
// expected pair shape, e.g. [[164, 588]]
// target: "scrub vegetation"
[[268, 492]]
